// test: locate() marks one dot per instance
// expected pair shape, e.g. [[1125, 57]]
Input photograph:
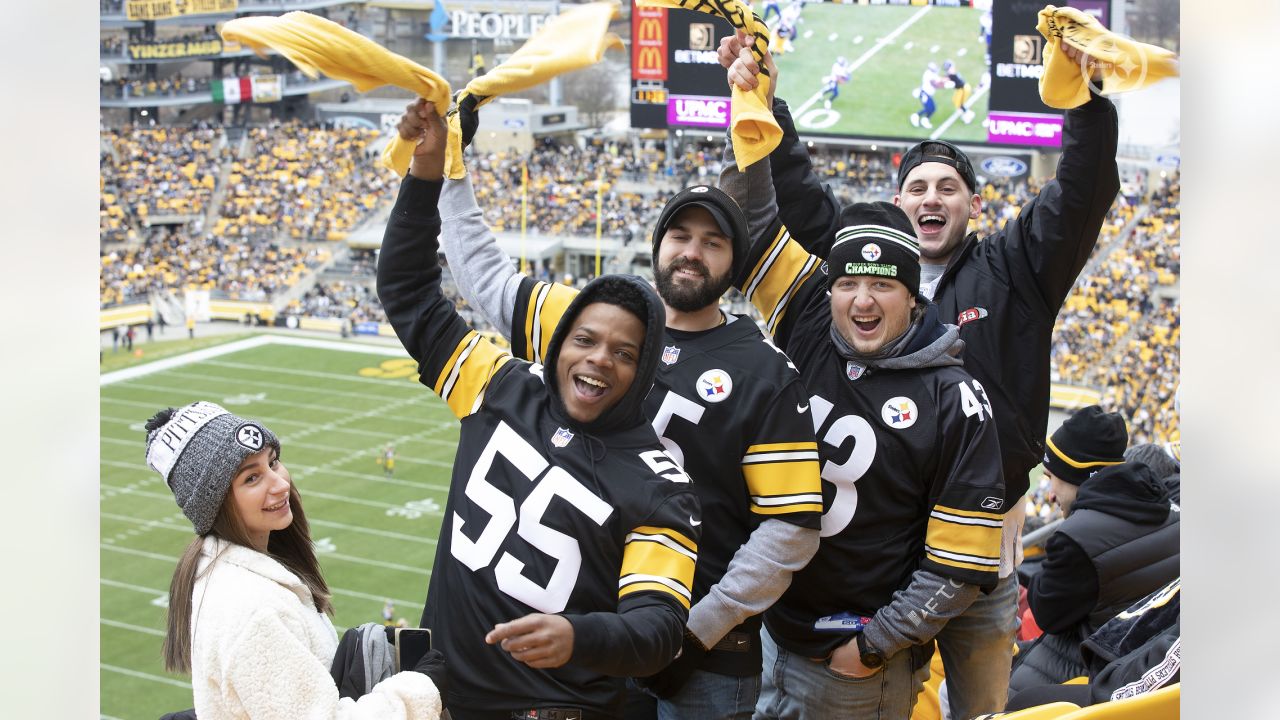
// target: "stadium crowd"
[[165, 170]]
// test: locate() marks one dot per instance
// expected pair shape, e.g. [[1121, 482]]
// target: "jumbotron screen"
[[960, 70]]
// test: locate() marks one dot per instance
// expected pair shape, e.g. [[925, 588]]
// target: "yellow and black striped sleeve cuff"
[[539, 306], [660, 560], [776, 278], [465, 375], [783, 478], [964, 544]]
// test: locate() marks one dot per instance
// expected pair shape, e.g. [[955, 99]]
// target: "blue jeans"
[[799, 687], [977, 652], [712, 696]]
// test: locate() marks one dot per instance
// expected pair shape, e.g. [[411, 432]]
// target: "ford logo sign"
[[1003, 166], [513, 123]]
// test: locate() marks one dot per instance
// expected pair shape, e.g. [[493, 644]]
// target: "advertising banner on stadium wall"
[[257, 88], [180, 49], [161, 9], [676, 79]]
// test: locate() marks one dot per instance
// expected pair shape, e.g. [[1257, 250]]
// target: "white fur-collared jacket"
[[260, 650]]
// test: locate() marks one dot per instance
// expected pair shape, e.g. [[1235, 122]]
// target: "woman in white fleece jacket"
[[248, 608]]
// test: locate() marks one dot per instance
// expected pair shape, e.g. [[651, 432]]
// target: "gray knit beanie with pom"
[[197, 450]]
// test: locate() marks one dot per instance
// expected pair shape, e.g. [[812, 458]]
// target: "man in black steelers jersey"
[[727, 404], [566, 557], [911, 531]]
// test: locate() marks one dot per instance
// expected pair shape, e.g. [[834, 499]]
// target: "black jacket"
[[1014, 280], [1119, 544]]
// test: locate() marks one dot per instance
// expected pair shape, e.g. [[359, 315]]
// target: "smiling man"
[[1004, 291], [566, 555], [726, 403]]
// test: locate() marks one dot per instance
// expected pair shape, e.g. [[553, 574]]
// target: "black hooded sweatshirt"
[[1122, 531], [592, 521]]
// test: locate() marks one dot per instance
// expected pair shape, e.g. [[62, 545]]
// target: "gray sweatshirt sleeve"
[[753, 191], [918, 612], [486, 277], [757, 576]]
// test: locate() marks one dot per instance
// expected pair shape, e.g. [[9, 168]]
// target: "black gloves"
[[469, 117], [669, 680], [432, 665]]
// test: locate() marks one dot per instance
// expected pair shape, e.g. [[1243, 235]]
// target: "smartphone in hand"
[[411, 644]]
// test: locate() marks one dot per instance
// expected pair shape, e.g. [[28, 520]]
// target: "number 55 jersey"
[[595, 522], [909, 454]]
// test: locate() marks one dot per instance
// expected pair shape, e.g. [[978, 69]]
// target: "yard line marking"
[[134, 628], [879, 45], [371, 531], [275, 385], [334, 590], [278, 421], [144, 676], [296, 372], [246, 344], [336, 556], [343, 411], [955, 115]]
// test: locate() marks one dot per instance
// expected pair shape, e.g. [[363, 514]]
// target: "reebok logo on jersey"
[[562, 437], [714, 385], [973, 313], [854, 370], [670, 354], [899, 413], [992, 503]]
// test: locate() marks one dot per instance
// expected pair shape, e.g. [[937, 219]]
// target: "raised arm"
[[453, 360]]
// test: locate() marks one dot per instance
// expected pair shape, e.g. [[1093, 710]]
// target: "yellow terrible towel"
[[572, 40], [1127, 63], [754, 131], [317, 45]]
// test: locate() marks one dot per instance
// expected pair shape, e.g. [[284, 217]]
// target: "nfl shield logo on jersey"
[[854, 370], [714, 385], [561, 438], [670, 354], [899, 413]]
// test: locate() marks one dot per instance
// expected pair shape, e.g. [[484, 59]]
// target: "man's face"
[[1061, 492], [695, 260], [940, 206], [870, 311], [597, 361]]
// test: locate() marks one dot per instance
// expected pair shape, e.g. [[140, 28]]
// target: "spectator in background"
[[1118, 543], [1162, 463]]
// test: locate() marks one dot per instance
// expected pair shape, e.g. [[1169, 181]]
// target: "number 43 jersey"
[[910, 460]]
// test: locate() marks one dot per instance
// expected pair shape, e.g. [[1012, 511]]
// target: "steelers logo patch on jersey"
[[871, 252], [899, 413], [250, 436], [714, 385]]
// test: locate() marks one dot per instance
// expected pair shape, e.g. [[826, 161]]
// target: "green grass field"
[[894, 44], [333, 410]]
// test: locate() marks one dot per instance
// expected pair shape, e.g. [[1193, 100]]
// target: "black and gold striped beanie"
[[1088, 441]]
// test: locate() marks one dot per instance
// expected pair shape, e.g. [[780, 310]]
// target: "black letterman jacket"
[[1005, 290]]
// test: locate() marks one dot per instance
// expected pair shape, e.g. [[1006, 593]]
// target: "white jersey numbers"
[[555, 482], [974, 404], [674, 405], [845, 475], [664, 465]]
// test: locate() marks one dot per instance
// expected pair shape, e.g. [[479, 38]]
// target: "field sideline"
[[334, 406]]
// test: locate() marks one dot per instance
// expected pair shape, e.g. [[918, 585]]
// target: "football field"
[[889, 48], [334, 407]]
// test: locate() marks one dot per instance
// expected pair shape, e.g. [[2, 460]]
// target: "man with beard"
[[726, 403]]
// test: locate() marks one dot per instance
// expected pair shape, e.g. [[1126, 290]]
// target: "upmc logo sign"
[[648, 44], [698, 111]]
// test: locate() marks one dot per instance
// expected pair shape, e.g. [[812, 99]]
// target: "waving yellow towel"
[[754, 131], [573, 40], [1129, 64]]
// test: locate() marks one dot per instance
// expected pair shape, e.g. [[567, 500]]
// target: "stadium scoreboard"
[[961, 70]]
